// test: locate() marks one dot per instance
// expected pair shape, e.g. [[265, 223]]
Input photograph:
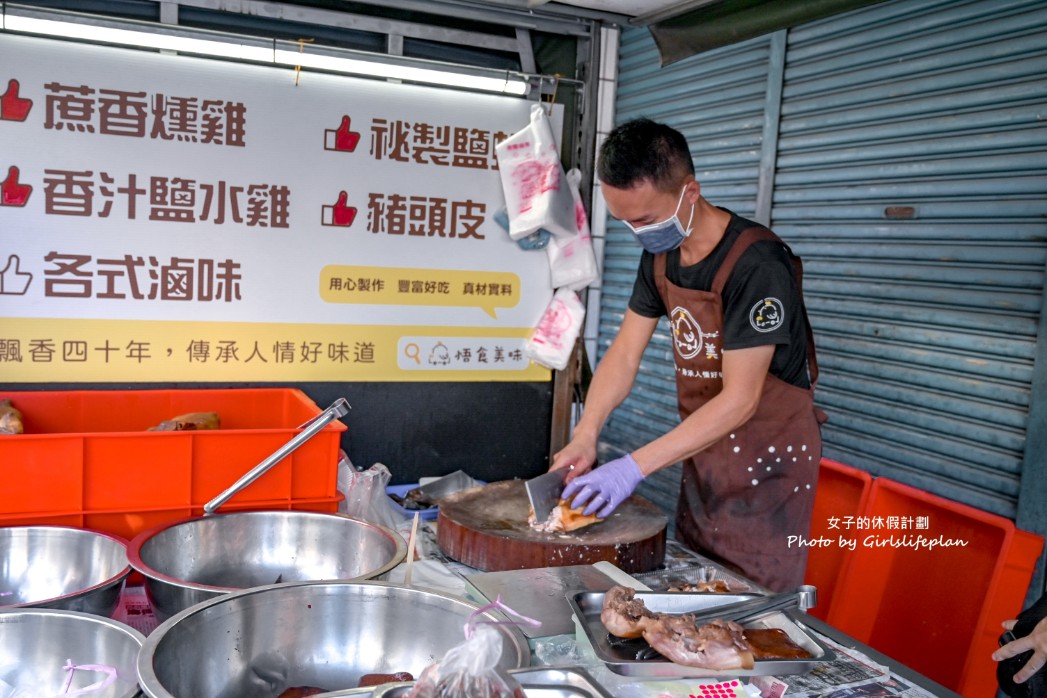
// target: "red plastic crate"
[[979, 673], [87, 459], [842, 492], [937, 611]]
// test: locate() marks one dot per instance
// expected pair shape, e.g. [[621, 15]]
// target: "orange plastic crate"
[[842, 492], [937, 610], [86, 457]]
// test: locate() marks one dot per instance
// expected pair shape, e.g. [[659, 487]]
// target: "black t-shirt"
[[762, 280]]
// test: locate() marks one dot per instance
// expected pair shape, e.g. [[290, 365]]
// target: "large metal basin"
[[36, 643], [61, 567], [193, 560], [537, 682], [259, 642]]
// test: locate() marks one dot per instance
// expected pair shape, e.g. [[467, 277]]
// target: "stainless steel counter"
[[563, 644]]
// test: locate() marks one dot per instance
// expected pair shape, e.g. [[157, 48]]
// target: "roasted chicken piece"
[[718, 644], [10, 418], [192, 421], [562, 519], [623, 614]]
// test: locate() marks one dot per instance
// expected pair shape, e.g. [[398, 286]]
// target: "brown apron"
[[741, 498]]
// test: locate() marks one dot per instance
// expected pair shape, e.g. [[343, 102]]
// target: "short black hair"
[[640, 150]]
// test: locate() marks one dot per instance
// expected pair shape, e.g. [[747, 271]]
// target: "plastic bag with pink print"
[[537, 195]]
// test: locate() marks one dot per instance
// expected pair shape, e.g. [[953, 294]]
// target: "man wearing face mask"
[[749, 436]]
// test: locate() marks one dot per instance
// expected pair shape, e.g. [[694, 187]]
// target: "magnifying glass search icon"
[[411, 352]]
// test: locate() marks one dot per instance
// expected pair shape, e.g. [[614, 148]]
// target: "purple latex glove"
[[605, 487]]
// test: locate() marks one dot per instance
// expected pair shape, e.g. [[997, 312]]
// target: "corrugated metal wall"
[[911, 176]]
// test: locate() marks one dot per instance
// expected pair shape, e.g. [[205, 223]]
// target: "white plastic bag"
[[536, 192], [101, 676], [365, 495], [553, 340], [471, 670], [572, 262]]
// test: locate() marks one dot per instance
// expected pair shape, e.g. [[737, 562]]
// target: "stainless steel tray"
[[537, 682], [622, 659]]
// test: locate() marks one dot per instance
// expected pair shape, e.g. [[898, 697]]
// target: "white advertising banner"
[[165, 218]]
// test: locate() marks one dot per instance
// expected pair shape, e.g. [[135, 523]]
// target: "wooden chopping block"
[[486, 527]]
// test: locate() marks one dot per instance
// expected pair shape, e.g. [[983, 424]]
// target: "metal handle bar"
[[803, 597], [338, 409]]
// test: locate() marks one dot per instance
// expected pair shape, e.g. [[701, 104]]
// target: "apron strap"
[[659, 276], [745, 240]]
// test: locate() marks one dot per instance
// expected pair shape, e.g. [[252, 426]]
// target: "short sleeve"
[[645, 299], [762, 304]]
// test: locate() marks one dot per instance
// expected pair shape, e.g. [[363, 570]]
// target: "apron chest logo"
[[767, 315], [688, 337]]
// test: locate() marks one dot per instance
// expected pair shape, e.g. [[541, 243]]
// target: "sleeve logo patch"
[[767, 315]]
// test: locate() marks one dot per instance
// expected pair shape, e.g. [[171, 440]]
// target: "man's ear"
[[693, 191]]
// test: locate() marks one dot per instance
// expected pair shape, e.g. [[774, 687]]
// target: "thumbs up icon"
[[11, 192], [13, 107], [342, 138], [341, 214], [12, 281]]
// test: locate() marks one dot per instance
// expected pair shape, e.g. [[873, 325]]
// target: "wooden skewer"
[[410, 550]]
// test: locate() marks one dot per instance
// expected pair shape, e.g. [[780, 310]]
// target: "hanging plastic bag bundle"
[[572, 262], [536, 192], [535, 241], [471, 669], [553, 340]]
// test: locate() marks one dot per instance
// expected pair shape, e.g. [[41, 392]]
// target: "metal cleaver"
[[544, 492]]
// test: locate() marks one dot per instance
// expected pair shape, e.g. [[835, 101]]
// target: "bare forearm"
[[610, 385], [715, 420], [744, 373]]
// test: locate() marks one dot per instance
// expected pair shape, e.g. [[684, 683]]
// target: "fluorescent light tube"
[[166, 38], [356, 66], [130, 37]]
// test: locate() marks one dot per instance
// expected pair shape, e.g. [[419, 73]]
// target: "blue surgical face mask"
[[666, 235]]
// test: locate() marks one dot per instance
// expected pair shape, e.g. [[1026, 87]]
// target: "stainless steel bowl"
[[193, 560], [61, 567], [259, 642], [35, 645]]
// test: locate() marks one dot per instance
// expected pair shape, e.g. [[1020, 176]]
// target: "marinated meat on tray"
[[624, 615], [717, 586], [414, 500], [717, 644]]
